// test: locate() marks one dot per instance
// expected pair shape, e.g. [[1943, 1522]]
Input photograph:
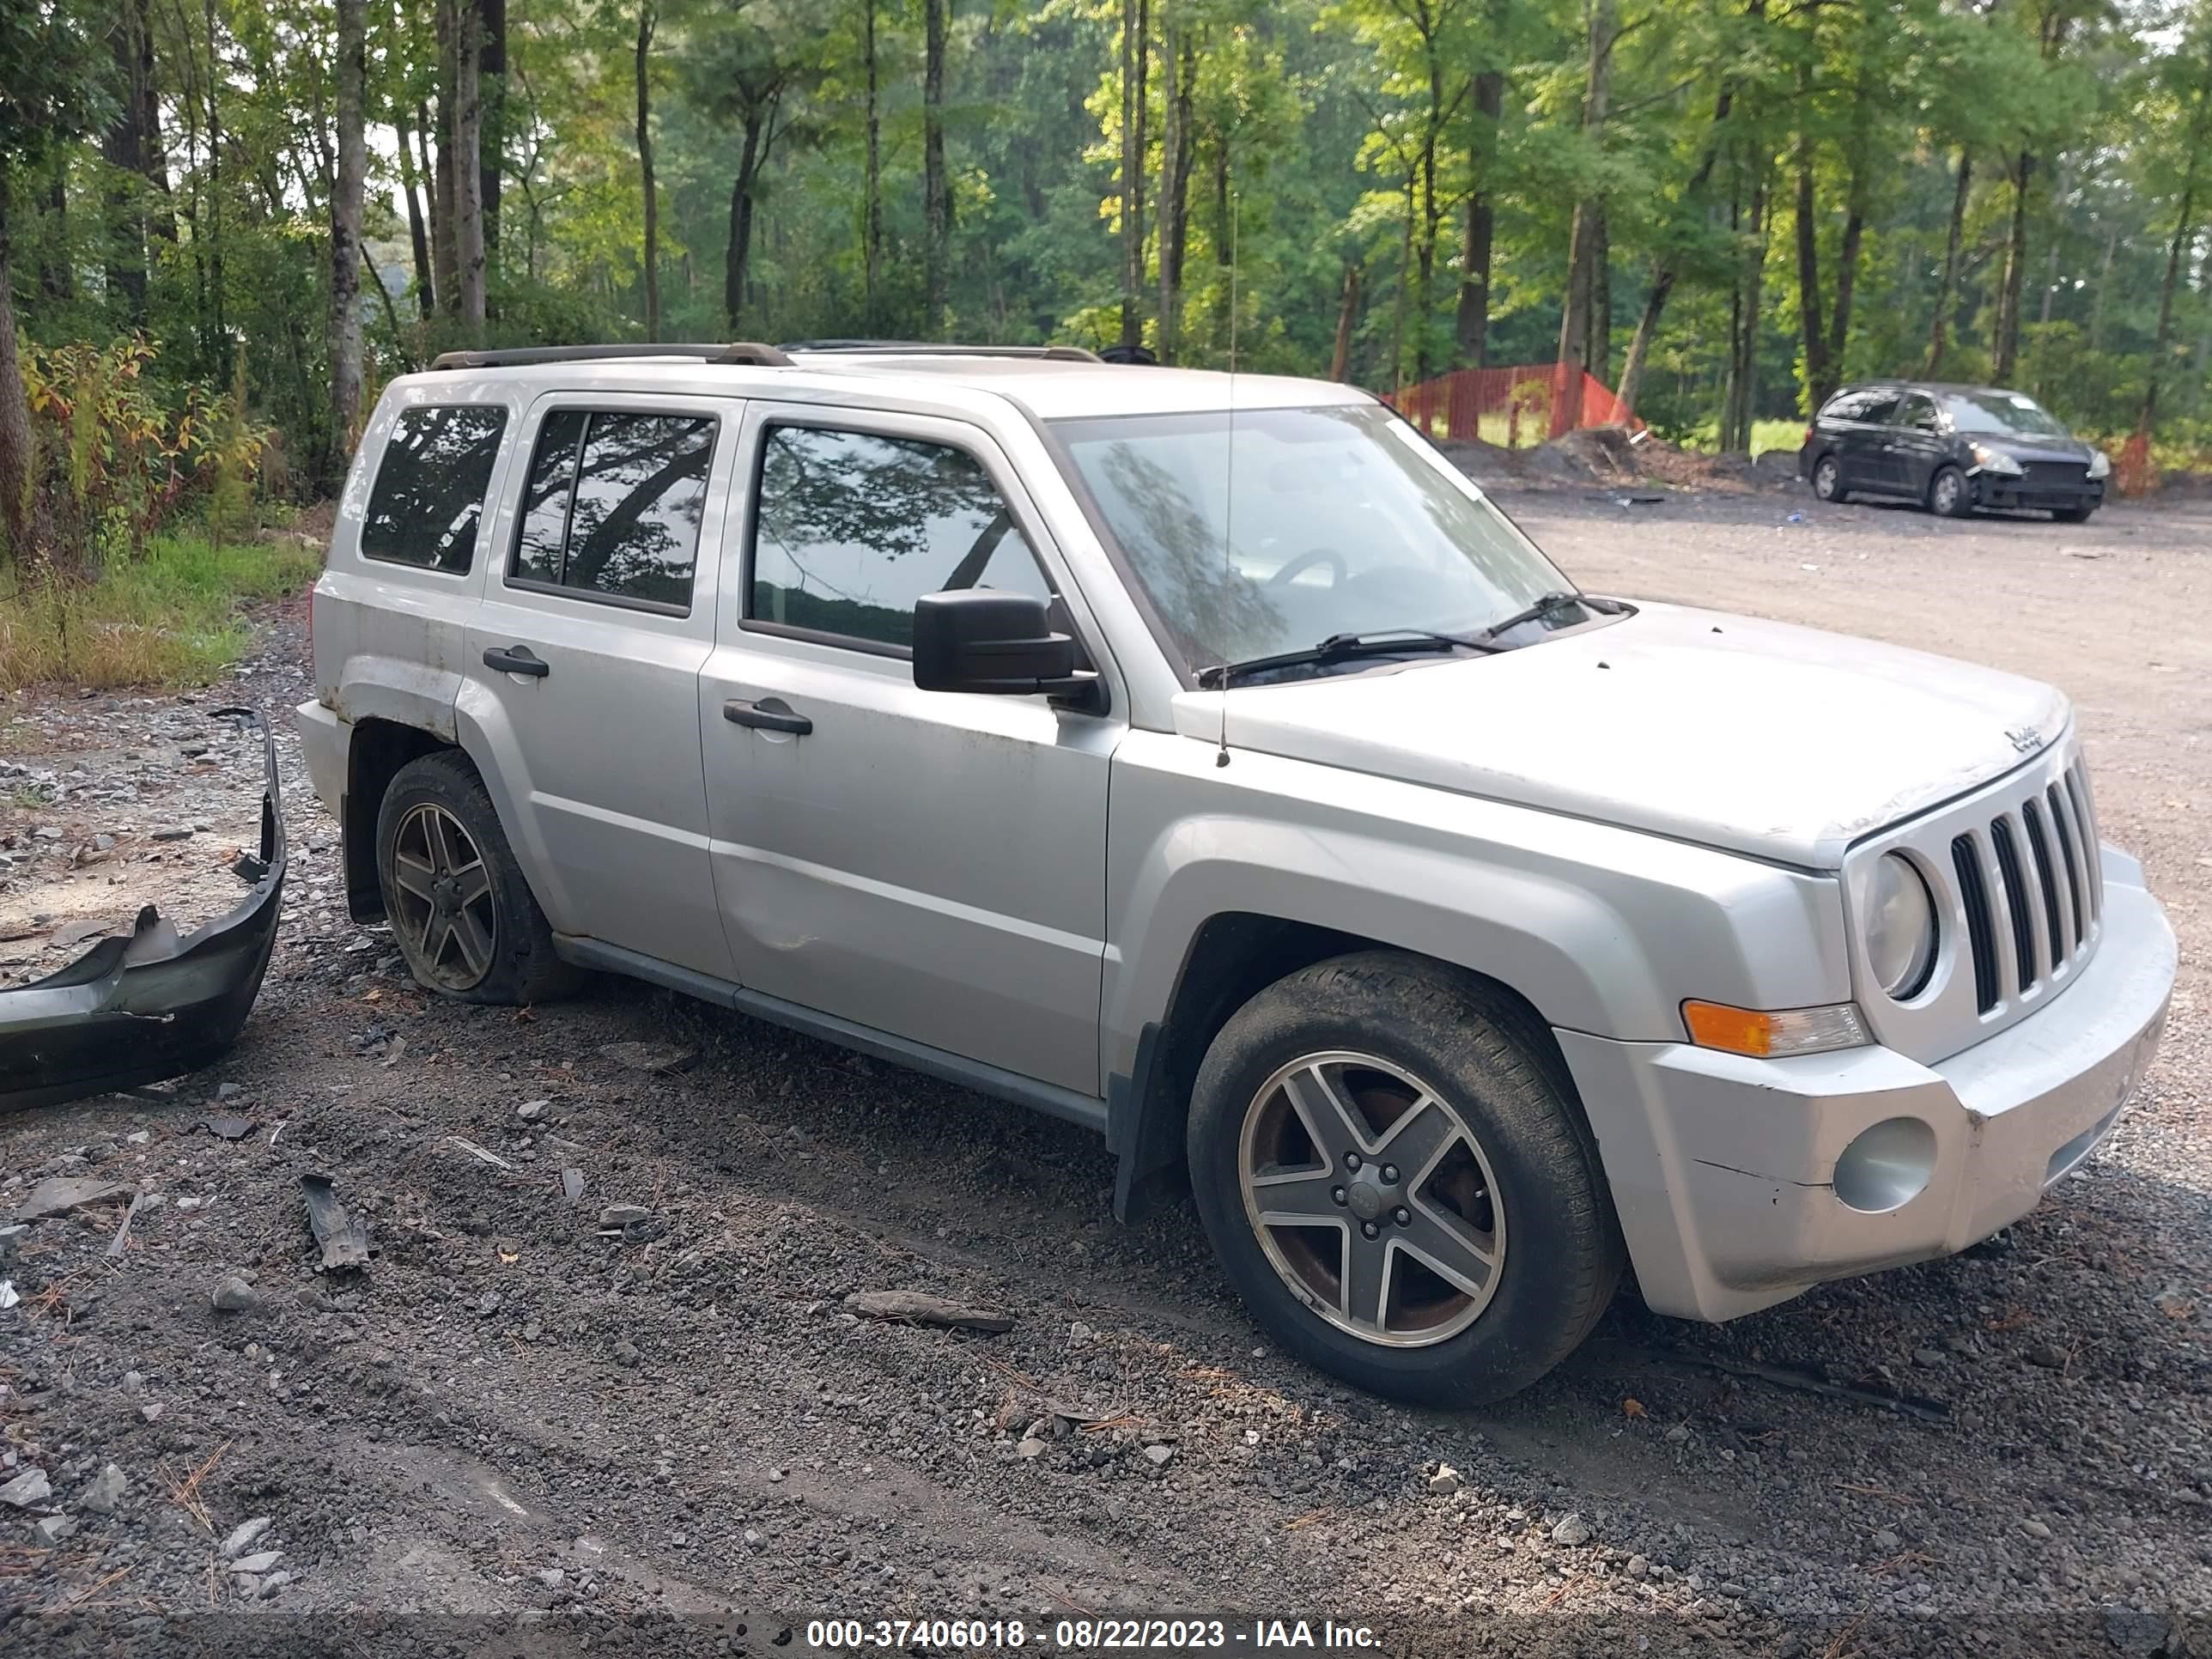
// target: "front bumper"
[[1724, 1168], [132, 1010], [2005, 491]]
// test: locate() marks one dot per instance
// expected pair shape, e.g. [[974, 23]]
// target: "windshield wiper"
[[1347, 648], [1542, 607]]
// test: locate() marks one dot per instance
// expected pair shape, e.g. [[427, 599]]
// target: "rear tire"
[[1828, 480], [1950, 495], [461, 911], [1453, 1077]]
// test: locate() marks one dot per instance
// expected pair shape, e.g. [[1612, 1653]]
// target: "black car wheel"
[[1949, 494], [1388, 1156], [1828, 480], [461, 911]]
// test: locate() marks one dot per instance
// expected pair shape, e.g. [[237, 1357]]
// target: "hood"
[[1757, 737], [2029, 446]]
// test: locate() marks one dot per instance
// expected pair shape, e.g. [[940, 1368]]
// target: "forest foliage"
[[261, 209]]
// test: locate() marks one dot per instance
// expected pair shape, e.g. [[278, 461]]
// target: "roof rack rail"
[[742, 352], [1058, 354]]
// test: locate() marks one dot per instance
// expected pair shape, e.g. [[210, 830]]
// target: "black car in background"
[[1951, 448]]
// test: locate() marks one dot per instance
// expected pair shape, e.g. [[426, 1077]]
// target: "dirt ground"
[[555, 1437]]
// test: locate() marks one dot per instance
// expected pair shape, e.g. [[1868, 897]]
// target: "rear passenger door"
[[1866, 460], [1917, 444], [584, 661]]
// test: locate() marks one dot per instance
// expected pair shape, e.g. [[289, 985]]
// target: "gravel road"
[[558, 1420]]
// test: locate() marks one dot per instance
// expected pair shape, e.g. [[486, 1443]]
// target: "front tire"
[[1388, 1156], [1828, 480], [461, 911], [1950, 495]]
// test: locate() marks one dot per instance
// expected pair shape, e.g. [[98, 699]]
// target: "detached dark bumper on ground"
[[155, 1004]]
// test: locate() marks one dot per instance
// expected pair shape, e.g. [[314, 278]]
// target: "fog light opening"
[[1887, 1166]]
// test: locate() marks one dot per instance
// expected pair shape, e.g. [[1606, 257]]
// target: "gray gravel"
[[518, 1412]]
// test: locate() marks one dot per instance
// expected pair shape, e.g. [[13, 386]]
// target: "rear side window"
[[853, 527], [613, 506], [430, 487], [1880, 410]]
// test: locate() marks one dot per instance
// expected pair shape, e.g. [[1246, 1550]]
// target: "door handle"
[[769, 714], [516, 659]]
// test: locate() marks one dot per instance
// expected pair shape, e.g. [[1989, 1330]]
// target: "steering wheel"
[[1305, 562]]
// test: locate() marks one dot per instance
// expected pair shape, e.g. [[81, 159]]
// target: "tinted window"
[[613, 504], [2001, 412], [430, 487], [1918, 410], [853, 528], [1843, 406], [1881, 406]]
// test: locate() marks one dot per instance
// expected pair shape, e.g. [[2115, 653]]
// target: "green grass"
[[167, 619]]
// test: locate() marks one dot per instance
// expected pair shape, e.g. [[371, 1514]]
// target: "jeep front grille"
[[2031, 887]]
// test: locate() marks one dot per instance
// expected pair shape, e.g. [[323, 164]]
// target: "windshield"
[[1319, 522], [2001, 413]]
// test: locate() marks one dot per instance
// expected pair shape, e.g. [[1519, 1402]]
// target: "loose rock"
[[1445, 1480], [244, 1536], [233, 1294], [59, 1194], [919, 1307], [1571, 1531], [106, 1491], [28, 1488]]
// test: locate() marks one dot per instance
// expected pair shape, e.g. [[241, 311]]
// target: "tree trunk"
[[1172, 178], [2104, 283], [1135, 54], [1639, 344], [936, 189], [2185, 237], [2004, 352], [438, 171], [491, 100], [346, 251], [1741, 400], [872, 207], [14, 409], [1597, 347], [57, 275], [1473, 322], [646, 20], [1820, 377], [1347, 317], [417, 232], [1947, 287], [222, 352], [1587, 232], [122, 146], [468, 156], [738, 256]]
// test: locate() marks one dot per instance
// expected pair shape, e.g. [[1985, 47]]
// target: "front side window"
[[613, 506], [1918, 411], [1267, 530], [430, 487], [852, 527]]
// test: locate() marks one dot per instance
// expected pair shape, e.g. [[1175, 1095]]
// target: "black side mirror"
[[1003, 644]]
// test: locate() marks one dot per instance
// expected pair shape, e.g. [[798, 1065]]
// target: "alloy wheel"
[[1372, 1199], [1824, 479], [1947, 486], [443, 905]]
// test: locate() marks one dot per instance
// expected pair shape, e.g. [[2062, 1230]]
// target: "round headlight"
[[1900, 929]]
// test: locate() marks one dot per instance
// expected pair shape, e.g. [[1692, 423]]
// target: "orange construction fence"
[[1527, 404]]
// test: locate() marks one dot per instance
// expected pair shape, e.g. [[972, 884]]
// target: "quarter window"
[[613, 506], [430, 487], [853, 527]]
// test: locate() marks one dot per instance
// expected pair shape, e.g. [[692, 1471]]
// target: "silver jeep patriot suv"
[[1204, 760]]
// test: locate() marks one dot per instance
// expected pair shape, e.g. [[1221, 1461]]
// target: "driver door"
[[926, 863]]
